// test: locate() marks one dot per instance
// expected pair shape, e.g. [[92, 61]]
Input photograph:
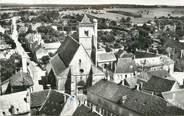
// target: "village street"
[[35, 71]]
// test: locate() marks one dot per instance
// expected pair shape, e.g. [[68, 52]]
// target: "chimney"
[[137, 85], [24, 64], [136, 49], [182, 52], [147, 50], [157, 52], [123, 82]]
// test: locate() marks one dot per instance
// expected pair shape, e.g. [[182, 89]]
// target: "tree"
[[45, 59], [9, 66], [9, 41]]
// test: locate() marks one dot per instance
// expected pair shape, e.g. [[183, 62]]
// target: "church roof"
[[67, 50], [57, 64], [85, 20]]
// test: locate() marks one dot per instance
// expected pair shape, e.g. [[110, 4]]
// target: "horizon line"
[[90, 4]]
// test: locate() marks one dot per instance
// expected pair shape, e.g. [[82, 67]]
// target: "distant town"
[[91, 60]]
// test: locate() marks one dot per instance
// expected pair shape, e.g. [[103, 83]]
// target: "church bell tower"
[[88, 36]]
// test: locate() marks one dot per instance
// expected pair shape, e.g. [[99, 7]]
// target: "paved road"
[[34, 70]]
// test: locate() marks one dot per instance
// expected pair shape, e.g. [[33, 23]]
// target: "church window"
[[81, 70], [79, 61], [86, 33]]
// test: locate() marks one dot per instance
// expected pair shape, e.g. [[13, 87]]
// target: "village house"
[[156, 82], [124, 68], [106, 60], [15, 104], [108, 98], [150, 61], [20, 81]]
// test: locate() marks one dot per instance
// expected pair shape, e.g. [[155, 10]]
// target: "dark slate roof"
[[157, 84], [174, 44], [160, 73], [158, 81], [137, 101], [57, 64], [38, 98], [67, 50], [21, 79], [139, 54], [125, 65], [53, 104], [84, 111]]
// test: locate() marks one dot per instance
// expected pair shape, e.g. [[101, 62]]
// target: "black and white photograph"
[[91, 57]]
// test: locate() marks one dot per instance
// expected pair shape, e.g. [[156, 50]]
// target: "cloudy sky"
[[142, 2]]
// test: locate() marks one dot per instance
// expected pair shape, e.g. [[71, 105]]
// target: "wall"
[[86, 62], [152, 60], [118, 77]]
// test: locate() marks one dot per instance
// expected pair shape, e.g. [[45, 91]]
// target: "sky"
[[138, 2]]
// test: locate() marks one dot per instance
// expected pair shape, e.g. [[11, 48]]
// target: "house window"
[[125, 76], [86, 33]]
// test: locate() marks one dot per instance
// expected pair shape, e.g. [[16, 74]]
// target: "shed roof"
[[106, 57]]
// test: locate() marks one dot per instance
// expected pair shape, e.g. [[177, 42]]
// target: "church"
[[74, 66]]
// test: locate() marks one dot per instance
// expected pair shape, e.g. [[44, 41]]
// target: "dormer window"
[[86, 33]]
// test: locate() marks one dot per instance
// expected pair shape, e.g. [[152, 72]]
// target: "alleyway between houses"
[[35, 71]]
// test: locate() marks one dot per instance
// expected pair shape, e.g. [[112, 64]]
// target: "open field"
[[146, 13]]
